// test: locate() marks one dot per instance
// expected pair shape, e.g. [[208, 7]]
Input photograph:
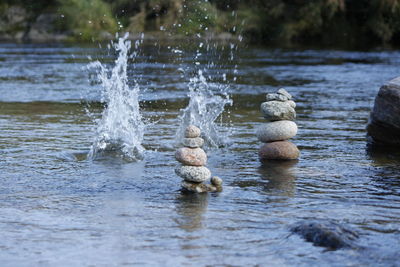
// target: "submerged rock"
[[281, 150], [193, 173], [326, 234], [384, 122], [276, 131], [191, 156], [277, 110], [200, 187]]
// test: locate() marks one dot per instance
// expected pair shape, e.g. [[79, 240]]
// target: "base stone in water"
[[281, 150]]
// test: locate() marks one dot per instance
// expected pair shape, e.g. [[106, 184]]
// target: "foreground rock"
[[326, 234], [384, 123]]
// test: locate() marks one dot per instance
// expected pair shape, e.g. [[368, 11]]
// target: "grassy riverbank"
[[283, 22]]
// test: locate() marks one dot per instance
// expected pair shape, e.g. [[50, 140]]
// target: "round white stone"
[[193, 173], [276, 131]]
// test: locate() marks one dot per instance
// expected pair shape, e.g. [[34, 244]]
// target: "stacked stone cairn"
[[194, 159], [279, 111]]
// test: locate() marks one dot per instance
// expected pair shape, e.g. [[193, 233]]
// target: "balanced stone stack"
[[279, 111], [194, 159]]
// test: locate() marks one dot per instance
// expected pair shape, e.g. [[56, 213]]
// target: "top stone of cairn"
[[280, 95], [192, 132]]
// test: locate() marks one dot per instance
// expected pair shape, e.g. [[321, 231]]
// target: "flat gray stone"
[[276, 131], [285, 93], [193, 142], [276, 97], [193, 173], [277, 110], [199, 187]]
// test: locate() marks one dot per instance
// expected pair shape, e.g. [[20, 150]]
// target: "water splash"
[[121, 127], [203, 110]]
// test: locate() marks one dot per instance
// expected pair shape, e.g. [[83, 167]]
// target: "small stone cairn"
[[193, 159], [279, 111]]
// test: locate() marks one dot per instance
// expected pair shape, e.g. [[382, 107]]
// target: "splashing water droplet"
[[120, 129], [203, 110]]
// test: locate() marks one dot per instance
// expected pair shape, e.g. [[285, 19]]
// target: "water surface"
[[58, 208]]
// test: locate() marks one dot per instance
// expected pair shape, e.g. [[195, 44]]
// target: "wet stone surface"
[[327, 234]]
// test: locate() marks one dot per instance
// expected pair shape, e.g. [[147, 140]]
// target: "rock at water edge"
[[384, 122]]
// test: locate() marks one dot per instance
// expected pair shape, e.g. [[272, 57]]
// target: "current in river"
[[57, 207]]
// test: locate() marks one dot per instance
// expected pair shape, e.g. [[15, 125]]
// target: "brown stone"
[[281, 150], [191, 156]]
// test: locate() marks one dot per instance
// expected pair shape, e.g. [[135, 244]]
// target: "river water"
[[59, 208]]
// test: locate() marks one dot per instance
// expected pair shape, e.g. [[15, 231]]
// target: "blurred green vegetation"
[[263, 21], [85, 20]]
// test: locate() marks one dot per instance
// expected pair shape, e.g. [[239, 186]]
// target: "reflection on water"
[[383, 155], [279, 175], [191, 208]]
